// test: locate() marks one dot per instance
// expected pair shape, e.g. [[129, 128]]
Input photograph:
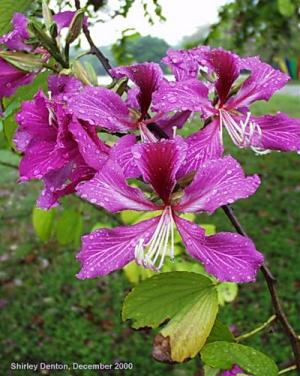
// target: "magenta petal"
[[40, 158], [185, 63], [63, 19], [106, 250], [159, 163], [102, 107], [11, 78], [63, 84], [146, 76], [62, 182], [110, 190], [15, 39], [94, 154], [263, 81], [121, 152], [218, 182], [186, 95], [233, 371], [53, 181], [177, 120], [229, 257], [202, 145], [279, 132], [226, 66], [131, 99], [33, 120]]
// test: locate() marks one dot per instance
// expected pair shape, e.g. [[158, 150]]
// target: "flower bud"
[[47, 15], [75, 26], [82, 73]]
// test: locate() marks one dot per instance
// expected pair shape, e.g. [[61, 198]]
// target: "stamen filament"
[[160, 244], [146, 134], [243, 134]]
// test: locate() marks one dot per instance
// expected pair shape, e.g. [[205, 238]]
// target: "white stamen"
[[152, 254], [146, 134], [174, 131], [244, 133]]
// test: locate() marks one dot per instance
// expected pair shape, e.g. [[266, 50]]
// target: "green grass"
[[48, 315]]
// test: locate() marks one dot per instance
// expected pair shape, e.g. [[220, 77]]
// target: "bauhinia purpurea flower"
[[223, 96], [229, 257]]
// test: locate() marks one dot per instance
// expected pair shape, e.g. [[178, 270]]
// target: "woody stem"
[[271, 283]]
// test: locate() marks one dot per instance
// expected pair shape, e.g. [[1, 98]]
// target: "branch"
[[257, 329], [94, 49], [271, 283]]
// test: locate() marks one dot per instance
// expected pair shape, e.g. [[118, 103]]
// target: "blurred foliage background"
[[46, 313]]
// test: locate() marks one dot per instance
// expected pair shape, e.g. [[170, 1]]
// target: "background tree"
[[257, 26]]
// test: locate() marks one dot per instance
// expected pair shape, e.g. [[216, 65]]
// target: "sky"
[[183, 18]]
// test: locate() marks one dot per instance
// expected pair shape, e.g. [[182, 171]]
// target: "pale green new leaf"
[[224, 354], [188, 300], [43, 221], [69, 227], [227, 292]]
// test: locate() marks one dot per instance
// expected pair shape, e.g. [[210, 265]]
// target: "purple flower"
[[229, 257], [229, 107], [11, 78], [16, 39], [106, 109], [57, 147], [234, 371]]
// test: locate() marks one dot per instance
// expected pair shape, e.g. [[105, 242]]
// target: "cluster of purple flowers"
[[18, 40], [58, 135]]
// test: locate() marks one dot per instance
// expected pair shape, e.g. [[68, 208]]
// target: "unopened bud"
[[81, 73], [75, 26], [47, 15]]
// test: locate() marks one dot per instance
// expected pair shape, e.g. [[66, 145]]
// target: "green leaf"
[[101, 225], [224, 354], [286, 7], [208, 371], [43, 221], [130, 217], [208, 228], [135, 273], [188, 300], [227, 292], [220, 332], [69, 227], [22, 60], [7, 10]]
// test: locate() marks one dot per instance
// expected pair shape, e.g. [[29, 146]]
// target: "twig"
[[286, 370], [257, 329], [7, 164], [94, 49], [271, 283]]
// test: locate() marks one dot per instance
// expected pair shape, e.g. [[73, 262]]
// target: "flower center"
[[243, 133], [152, 254], [146, 134]]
